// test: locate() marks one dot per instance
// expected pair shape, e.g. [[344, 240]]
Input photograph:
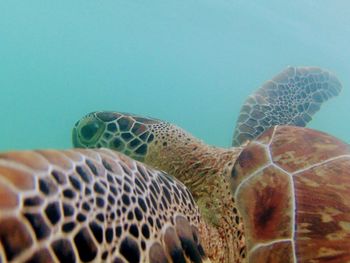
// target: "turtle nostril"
[[89, 130]]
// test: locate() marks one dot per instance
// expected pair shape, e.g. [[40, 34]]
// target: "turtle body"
[[292, 185], [290, 98], [283, 197]]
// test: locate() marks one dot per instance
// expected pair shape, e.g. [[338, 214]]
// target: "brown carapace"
[[293, 190]]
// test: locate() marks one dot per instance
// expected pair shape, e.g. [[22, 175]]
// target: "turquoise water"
[[189, 62]]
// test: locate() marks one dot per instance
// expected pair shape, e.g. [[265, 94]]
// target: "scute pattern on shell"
[[93, 205], [293, 187]]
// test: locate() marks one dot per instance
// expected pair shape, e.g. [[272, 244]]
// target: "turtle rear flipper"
[[290, 98]]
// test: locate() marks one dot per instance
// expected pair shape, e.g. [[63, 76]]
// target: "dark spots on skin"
[[92, 167], [153, 189], [167, 194], [83, 173], [154, 203], [69, 193], [85, 245], [142, 204], [59, 177], [86, 206], [100, 217], [53, 212], [113, 190], [87, 191], [110, 178], [38, 224], [159, 225], [100, 202], [237, 219], [143, 245], [150, 221], [134, 230], [145, 231], [33, 201], [118, 231], [97, 231], [75, 183], [68, 227], [140, 185], [130, 250], [130, 216], [126, 188], [104, 255], [109, 235], [68, 210], [138, 214], [143, 173], [125, 199], [111, 200], [47, 186], [107, 165], [98, 188], [81, 218], [64, 251]]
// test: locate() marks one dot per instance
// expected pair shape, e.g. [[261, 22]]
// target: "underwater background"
[[191, 62]]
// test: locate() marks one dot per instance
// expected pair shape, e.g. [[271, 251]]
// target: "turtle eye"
[[89, 130]]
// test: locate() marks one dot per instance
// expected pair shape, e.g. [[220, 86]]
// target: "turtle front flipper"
[[93, 206], [290, 98]]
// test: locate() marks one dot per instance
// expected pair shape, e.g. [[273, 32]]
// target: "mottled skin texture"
[[93, 205], [194, 163], [291, 97]]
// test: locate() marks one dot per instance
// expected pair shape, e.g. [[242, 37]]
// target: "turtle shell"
[[292, 186]]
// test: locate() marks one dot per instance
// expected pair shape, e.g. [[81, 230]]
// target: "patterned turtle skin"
[[93, 206], [293, 187], [203, 168], [199, 166]]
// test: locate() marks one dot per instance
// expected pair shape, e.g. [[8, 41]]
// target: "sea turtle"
[[292, 97], [99, 205]]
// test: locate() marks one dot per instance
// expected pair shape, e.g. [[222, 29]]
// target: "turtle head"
[[123, 132]]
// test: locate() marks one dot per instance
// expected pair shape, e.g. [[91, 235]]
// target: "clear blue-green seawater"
[[190, 62]]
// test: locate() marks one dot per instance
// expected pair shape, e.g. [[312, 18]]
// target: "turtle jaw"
[[88, 132]]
